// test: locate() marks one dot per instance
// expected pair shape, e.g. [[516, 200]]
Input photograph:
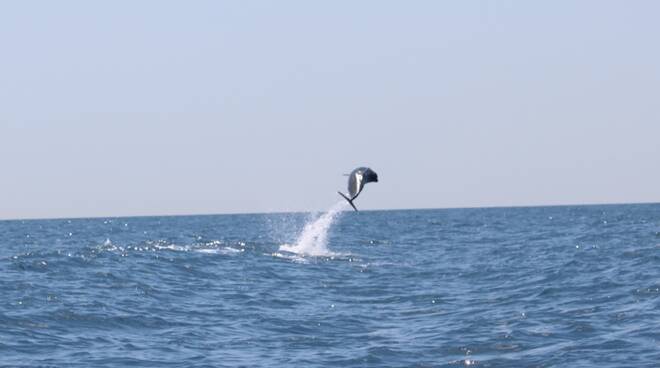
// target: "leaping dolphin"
[[356, 181]]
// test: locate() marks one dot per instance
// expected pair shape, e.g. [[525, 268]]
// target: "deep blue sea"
[[572, 286]]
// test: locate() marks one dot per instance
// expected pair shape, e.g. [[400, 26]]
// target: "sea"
[[565, 286]]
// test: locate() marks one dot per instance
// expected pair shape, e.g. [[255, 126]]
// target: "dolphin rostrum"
[[356, 181]]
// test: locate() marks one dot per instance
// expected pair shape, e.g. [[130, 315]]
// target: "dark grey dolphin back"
[[358, 178]]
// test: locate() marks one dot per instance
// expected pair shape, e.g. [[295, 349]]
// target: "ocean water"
[[502, 287]]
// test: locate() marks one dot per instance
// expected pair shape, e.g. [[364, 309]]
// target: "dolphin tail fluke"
[[350, 201]]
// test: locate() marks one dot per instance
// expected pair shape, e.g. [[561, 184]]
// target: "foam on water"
[[492, 287], [313, 240], [209, 247]]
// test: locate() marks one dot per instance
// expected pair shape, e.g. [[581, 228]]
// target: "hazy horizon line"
[[317, 211]]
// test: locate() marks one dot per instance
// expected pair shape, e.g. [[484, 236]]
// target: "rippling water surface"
[[546, 287]]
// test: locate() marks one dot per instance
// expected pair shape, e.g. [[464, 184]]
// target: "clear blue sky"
[[174, 107]]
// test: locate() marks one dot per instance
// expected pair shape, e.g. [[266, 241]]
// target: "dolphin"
[[356, 181]]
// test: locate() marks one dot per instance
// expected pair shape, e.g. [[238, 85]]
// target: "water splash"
[[313, 240]]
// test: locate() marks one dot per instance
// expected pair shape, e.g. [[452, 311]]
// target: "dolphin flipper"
[[350, 201]]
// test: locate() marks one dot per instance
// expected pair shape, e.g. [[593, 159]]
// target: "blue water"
[[510, 287]]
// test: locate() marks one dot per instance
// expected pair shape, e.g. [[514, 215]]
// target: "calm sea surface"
[[507, 287]]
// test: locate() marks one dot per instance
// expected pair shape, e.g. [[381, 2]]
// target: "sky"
[[128, 108]]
